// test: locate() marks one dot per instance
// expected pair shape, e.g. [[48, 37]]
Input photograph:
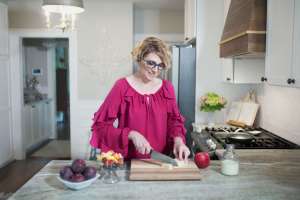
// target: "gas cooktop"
[[262, 139]]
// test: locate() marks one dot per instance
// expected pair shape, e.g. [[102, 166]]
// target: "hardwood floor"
[[15, 174]]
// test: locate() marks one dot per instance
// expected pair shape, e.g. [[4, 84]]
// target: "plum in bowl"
[[78, 176], [78, 185]]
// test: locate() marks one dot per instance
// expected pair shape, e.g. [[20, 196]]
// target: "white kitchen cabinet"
[[6, 152], [227, 69], [296, 55], [282, 54], [27, 136], [36, 123], [3, 29], [243, 70], [48, 121], [189, 19]]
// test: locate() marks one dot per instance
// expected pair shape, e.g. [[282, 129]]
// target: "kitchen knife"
[[163, 158]]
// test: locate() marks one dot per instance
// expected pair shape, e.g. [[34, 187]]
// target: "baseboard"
[[7, 163]]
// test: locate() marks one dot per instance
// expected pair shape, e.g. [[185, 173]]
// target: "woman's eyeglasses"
[[152, 64]]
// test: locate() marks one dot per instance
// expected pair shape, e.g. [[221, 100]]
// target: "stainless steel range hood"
[[244, 33]]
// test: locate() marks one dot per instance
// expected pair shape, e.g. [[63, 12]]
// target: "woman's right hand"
[[140, 142]]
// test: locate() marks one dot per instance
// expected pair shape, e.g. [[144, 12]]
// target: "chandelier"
[[67, 9]]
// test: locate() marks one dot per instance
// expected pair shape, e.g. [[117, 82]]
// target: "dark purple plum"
[[89, 172], [78, 166], [66, 173], [77, 178]]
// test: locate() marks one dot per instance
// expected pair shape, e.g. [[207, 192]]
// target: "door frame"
[[16, 75]]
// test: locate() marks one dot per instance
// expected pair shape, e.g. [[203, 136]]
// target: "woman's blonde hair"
[[152, 45]]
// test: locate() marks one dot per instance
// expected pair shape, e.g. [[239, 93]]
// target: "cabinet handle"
[[228, 79], [291, 81], [263, 79]]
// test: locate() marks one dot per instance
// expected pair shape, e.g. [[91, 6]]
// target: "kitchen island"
[[264, 174]]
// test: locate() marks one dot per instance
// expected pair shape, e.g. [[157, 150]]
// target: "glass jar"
[[110, 176], [230, 162]]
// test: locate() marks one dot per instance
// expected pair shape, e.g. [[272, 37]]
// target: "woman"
[[145, 106]]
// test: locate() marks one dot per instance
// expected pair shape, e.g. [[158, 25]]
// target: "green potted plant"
[[210, 103]]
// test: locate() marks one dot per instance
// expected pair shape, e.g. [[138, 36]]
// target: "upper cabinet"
[[189, 19], [3, 30], [240, 71], [296, 53], [283, 43]]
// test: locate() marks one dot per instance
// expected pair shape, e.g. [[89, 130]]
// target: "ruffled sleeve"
[[104, 135], [175, 123]]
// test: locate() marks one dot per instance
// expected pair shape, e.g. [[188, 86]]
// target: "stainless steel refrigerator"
[[183, 76]]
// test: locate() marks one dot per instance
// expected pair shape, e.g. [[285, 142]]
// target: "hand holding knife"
[[141, 144]]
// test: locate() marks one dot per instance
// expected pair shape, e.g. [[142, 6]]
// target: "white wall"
[[105, 37], [280, 111], [210, 19], [36, 57], [104, 41], [158, 21], [163, 23]]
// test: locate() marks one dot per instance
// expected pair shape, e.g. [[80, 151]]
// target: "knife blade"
[[163, 158]]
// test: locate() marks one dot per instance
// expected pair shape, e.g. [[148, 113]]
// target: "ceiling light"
[[68, 9]]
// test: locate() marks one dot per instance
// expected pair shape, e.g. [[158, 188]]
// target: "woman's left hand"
[[180, 150]]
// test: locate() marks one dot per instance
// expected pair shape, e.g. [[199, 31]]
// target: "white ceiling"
[[144, 4], [160, 4]]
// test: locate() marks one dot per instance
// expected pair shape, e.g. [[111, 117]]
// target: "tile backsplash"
[[280, 111]]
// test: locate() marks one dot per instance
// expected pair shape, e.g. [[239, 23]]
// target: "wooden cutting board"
[[148, 170], [244, 112]]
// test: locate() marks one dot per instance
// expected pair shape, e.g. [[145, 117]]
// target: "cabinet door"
[[3, 30], [5, 113], [46, 120], [227, 70], [190, 19], [5, 136], [27, 126], [34, 123], [40, 113], [296, 55], [248, 70], [279, 41], [48, 128]]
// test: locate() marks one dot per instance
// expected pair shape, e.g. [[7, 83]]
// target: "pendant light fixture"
[[67, 9]]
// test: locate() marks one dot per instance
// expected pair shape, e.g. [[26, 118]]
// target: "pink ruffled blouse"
[[156, 116]]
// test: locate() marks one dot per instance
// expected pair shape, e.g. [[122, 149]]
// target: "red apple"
[[202, 159]]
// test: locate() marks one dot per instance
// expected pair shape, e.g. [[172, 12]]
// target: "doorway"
[[46, 107], [62, 90], [17, 81]]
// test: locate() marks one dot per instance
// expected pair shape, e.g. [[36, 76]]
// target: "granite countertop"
[[264, 174]]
